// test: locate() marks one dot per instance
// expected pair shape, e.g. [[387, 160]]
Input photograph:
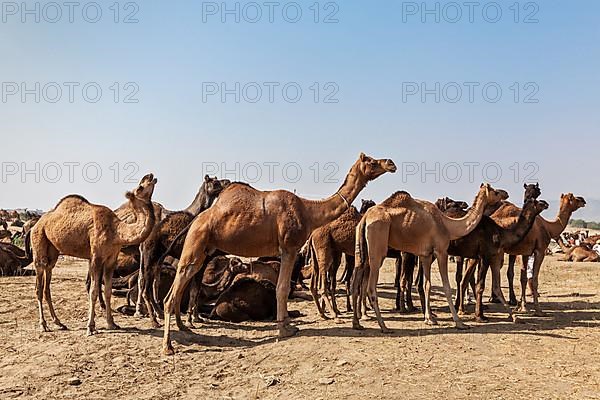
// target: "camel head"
[[492, 196], [446, 203], [371, 168], [365, 205], [213, 186], [236, 266], [144, 190], [571, 203], [532, 191], [534, 206]]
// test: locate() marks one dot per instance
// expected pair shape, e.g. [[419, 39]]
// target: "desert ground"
[[553, 357]]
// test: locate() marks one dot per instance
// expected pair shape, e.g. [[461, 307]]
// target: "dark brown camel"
[[13, 260], [248, 299], [167, 239], [252, 223], [535, 242], [486, 244]]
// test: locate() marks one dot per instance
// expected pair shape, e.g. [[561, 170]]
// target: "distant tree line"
[[579, 223]]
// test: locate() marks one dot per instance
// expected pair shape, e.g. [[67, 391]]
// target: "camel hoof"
[[482, 320], [287, 330], [169, 350], [513, 302], [515, 319], [461, 312], [357, 326], [139, 315], [91, 331], [61, 326], [183, 328], [462, 327], [386, 331], [521, 310], [324, 317], [365, 317], [540, 313], [431, 321], [113, 327], [494, 300], [44, 327], [156, 325]]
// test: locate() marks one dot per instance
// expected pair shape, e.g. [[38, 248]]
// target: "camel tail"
[[314, 262], [362, 251]]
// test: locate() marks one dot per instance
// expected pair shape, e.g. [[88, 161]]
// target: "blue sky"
[[367, 57]]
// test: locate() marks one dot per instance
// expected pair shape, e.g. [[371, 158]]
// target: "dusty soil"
[[543, 358]]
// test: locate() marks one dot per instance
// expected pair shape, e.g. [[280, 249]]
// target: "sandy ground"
[[543, 358]]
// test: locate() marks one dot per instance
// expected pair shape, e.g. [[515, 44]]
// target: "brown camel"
[[247, 299], [535, 242], [167, 239], [80, 229], [485, 245], [327, 245], [251, 223], [581, 253], [417, 227]]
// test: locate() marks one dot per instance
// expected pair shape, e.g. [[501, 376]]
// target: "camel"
[[252, 223], [535, 242], [417, 227], [327, 245], [485, 245], [13, 260], [167, 239], [248, 299], [77, 228], [581, 253]]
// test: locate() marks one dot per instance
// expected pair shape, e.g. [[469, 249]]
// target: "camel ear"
[[362, 156], [206, 178], [537, 185], [524, 186], [129, 196]]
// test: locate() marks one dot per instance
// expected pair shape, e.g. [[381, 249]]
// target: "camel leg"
[[283, 290], [141, 283], [48, 297], [348, 280], [408, 269], [108, 273], [375, 263], [40, 271], [357, 277], [429, 318], [496, 265], [185, 272], [537, 264], [523, 305], [510, 274], [458, 278], [314, 290], [442, 258], [483, 268], [95, 270], [464, 285], [398, 275], [193, 306], [400, 284], [337, 260]]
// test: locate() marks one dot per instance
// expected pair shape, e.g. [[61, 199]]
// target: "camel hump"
[[397, 199], [73, 197]]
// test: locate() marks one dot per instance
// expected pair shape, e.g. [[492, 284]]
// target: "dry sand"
[[543, 358]]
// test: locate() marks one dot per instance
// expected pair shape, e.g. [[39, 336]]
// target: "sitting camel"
[[581, 253], [77, 228], [247, 299], [252, 223], [417, 227], [535, 242], [13, 260]]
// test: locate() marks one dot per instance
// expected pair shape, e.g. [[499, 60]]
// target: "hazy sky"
[[362, 80]]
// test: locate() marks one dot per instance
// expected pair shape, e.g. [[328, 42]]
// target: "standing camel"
[[417, 227], [327, 245], [485, 245], [251, 223], [535, 243], [166, 238], [77, 228]]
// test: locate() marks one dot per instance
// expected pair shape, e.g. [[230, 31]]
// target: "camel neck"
[[515, 234], [200, 202], [459, 227], [556, 227], [321, 212]]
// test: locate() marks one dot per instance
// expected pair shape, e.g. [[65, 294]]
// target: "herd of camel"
[[287, 232]]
